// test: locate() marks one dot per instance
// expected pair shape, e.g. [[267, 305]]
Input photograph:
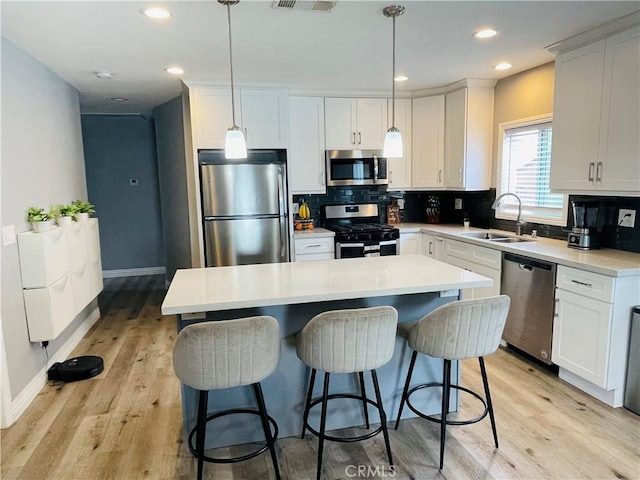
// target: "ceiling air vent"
[[315, 6]]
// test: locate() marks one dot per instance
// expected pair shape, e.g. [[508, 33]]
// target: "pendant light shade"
[[393, 139], [235, 146]]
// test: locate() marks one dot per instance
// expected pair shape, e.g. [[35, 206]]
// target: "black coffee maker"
[[584, 234]]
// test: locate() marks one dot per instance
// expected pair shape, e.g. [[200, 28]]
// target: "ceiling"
[[347, 49]]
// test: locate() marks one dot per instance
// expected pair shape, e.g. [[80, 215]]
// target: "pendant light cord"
[[393, 78], [233, 106]]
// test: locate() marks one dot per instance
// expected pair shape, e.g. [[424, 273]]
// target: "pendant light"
[[393, 139], [235, 146]]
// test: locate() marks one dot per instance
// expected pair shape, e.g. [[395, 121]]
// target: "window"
[[524, 167]]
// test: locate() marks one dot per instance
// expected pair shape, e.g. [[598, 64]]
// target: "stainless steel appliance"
[[356, 167], [530, 283], [632, 387], [359, 232], [584, 234], [244, 208]]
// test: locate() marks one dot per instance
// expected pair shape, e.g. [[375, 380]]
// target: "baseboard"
[[33, 388], [134, 272], [613, 398]]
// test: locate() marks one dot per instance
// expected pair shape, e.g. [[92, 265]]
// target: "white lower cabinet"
[[410, 243], [50, 310], [313, 248], [591, 330], [480, 260]]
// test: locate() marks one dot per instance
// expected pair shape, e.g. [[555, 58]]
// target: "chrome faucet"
[[519, 221]]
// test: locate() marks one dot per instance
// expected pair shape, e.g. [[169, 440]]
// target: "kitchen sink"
[[486, 235], [510, 240], [496, 237]]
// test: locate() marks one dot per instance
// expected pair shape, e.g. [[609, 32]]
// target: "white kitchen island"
[[293, 293]]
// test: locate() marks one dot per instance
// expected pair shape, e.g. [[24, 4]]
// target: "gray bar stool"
[[347, 341], [224, 354], [457, 330]]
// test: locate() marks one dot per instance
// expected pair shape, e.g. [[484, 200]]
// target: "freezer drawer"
[[246, 241]]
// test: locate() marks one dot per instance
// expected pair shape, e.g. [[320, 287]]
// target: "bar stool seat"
[[457, 330], [225, 354], [347, 341]]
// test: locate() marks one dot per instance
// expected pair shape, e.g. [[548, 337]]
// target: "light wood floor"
[[126, 422]]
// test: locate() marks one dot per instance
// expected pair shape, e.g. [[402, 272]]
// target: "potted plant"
[[39, 219], [83, 210], [63, 214]]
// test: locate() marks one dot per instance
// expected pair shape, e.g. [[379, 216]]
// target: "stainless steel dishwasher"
[[530, 283]]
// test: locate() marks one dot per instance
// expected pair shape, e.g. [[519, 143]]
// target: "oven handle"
[[349, 245], [388, 242]]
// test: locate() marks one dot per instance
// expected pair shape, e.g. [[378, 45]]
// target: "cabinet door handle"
[[391, 177], [584, 284], [322, 178], [555, 309], [599, 172], [359, 138], [460, 176], [439, 176], [354, 137], [315, 245], [591, 165], [430, 248]]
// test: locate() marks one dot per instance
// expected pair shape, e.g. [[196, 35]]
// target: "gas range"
[[359, 232]]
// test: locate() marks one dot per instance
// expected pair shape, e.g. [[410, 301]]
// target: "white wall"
[[42, 164]]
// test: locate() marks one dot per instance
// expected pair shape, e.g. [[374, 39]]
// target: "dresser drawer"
[[588, 284]]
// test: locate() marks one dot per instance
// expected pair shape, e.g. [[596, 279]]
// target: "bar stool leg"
[[364, 398], [305, 415], [201, 430], [257, 390], [403, 399], [323, 423], [446, 390], [485, 381], [383, 416]]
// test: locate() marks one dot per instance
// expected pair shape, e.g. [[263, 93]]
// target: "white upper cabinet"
[[264, 118], [400, 168], [261, 114], [355, 123], [468, 138], [597, 116], [427, 162], [306, 146]]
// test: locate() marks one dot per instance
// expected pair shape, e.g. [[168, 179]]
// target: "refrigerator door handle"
[[281, 206]]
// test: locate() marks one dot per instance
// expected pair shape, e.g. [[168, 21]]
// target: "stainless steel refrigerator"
[[244, 207]]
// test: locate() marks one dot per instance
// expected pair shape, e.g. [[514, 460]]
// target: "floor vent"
[[311, 5]]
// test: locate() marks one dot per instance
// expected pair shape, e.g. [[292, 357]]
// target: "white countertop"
[[244, 286], [316, 232], [613, 263]]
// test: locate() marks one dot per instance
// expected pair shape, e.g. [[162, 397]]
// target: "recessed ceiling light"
[[156, 12], [486, 33], [503, 66], [104, 74], [401, 78], [174, 70], [119, 99]]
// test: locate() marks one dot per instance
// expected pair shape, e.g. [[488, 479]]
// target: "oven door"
[[366, 249]]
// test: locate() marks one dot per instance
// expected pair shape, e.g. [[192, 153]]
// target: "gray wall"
[[117, 149], [42, 164], [172, 173]]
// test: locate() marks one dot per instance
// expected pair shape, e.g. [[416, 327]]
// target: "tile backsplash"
[[477, 205]]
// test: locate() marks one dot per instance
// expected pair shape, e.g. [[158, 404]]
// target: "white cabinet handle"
[[584, 284], [460, 176], [430, 248], [439, 176], [591, 165], [315, 245], [354, 137], [359, 138]]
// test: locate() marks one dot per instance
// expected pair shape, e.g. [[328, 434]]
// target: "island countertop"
[[245, 286]]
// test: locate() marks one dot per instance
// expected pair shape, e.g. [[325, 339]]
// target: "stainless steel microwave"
[[356, 167]]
